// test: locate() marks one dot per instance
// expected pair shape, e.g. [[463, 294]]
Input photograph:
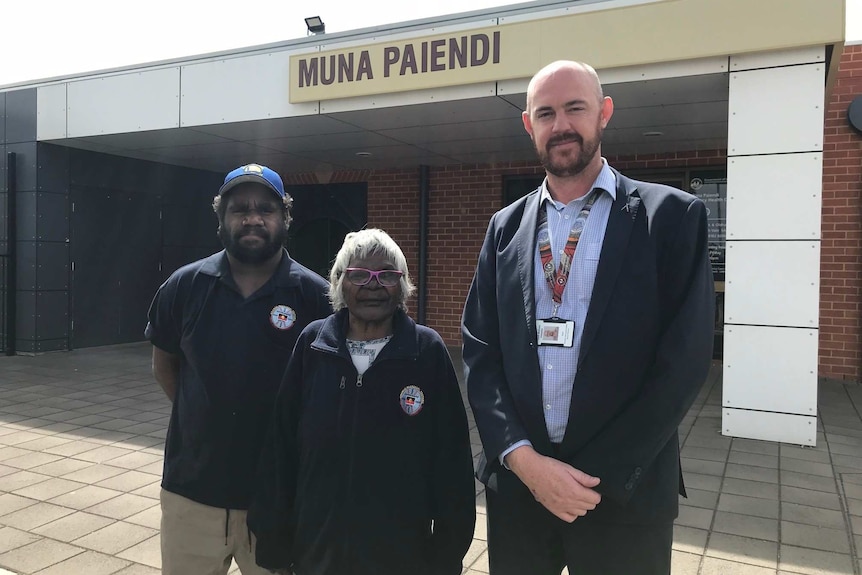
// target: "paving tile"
[[45, 490], [38, 555], [844, 449], [147, 552], [115, 537], [818, 455], [715, 566], [481, 563], [86, 496], [9, 503], [136, 569], [128, 481], [714, 441], [73, 526], [701, 466], [19, 437], [153, 491], [703, 482], [94, 473], [6, 470], [704, 453], [42, 442], [102, 454], [808, 467], [805, 481], [755, 459], [696, 517], [88, 562], [699, 498], [847, 461], [682, 563], [31, 459], [854, 506], [743, 549], [741, 504], [812, 515], [754, 446], [689, 540], [72, 448], [123, 506], [810, 497], [762, 474], [35, 515], [746, 526], [11, 538], [822, 538], [749, 488], [136, 460], [61, 467], [813, 562], [154, 468], [152, 518]]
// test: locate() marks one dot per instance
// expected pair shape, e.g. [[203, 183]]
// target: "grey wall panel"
[[53, 221], [25, 165], [3, 221], [53, 169], [52, 315], [2, 118], [25, 346], [21, 116], [2, 169], [25, 305], [52, 271], [44, 345], [28, 264], [27, 218]]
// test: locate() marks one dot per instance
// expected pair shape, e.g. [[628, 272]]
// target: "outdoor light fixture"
[[315, 25]]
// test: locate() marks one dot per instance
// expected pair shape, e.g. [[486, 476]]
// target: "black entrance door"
[[115, 255], [323, 215]]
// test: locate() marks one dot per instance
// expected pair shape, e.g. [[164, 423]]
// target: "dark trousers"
[[526, 539]]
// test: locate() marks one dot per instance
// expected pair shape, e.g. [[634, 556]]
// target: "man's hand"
[[564, 491]]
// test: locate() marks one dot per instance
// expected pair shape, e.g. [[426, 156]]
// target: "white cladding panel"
[[239, 89], [51, 112], [770, 369], [774, 197], [772, 283], [132, 102], [776, 110], [795, 429], [809, 55]]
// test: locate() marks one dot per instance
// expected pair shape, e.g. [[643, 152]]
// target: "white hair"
[[359, 246]]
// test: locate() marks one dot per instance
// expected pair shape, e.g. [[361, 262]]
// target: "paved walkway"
[[82, 433]]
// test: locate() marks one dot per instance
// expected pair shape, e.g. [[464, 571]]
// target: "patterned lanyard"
[[557, 279]]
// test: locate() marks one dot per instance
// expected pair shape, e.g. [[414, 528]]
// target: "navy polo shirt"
[[233, 352]]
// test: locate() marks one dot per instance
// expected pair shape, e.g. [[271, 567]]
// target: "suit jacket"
[[645, 352]]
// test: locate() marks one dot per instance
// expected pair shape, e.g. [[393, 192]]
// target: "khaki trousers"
[[201, 540]]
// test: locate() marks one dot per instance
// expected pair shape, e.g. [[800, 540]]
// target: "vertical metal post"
[[11, 252], [424, 192]]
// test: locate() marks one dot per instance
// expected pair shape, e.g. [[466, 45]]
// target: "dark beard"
[[256, 255], [570, 166]]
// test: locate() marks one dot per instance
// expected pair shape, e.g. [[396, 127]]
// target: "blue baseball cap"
[[254, 173]]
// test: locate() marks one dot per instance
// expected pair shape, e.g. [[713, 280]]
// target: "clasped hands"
[[563, 490]]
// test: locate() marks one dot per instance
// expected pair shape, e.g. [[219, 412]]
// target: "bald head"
[[564, 68]]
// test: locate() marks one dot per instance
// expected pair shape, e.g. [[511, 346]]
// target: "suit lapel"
[[620, 223], [525, 240]]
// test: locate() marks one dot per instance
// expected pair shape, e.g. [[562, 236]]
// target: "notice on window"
[[711, 187]]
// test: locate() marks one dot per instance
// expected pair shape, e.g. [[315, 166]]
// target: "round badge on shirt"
[[282, 317], [412, 399]]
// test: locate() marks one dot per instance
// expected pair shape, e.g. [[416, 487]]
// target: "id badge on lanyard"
[[555, 330]]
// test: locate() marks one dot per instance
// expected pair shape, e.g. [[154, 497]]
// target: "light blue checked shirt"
[[560, 364]]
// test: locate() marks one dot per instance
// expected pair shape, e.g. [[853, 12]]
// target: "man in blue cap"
[[222, 330]]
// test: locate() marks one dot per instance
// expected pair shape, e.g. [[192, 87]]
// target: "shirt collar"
[[605, 181]]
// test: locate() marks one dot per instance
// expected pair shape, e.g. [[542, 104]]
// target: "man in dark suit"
[[587, 336]]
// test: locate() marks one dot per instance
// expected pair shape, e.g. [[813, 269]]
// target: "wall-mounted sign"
[[711, 187]]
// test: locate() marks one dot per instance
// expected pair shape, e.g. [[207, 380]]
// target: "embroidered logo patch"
[[412, 400], [282, 317]]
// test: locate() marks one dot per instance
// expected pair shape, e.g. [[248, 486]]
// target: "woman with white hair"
[[368, 468]]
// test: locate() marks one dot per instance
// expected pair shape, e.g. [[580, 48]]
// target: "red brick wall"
[[841, 254]]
